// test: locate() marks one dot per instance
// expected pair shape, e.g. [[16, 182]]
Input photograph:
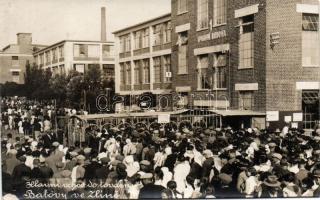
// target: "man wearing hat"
[[79, 170], [21, 174], [55, 156], [316, 175], [46, 171], [149, 189], [103, 171], [270, 188]]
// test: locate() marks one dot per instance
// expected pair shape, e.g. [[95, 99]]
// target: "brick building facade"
[[255, 62]]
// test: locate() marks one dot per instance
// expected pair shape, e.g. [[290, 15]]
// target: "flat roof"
[[63, 41], [141, 23]]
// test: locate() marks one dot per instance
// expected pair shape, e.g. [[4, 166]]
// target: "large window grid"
[[219, 12], [246, 42], [203, 21], [310, 37]]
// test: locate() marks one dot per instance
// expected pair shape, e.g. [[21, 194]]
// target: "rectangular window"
[[107, 51], [246, 100], [128, 75], [108, 70], [15, 76], [48, 57], [204, 73], [182, 52], [246, 42], [167, 33], [122, 74], [219, 12], [42, 59], [310, 22], [182, 6], [61, 52], [122, 44], [79, 68], [15, 61], [125, 43], [128, 44], [55, 54], [167, 68], [137, 77], [93, 51], [157, 35], [79, 50], [146, 71], [157, 69], [220, 62], [202, 14], [137, 40], [145, 38], [310, 37]]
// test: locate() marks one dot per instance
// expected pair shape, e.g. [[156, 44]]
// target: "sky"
[[51, 21]]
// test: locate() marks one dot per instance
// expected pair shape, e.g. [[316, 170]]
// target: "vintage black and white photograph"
[[159, 99]]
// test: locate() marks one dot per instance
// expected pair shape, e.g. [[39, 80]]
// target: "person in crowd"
[[171, 162]]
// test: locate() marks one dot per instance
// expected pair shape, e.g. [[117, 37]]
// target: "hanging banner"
[[287, 119], [297, 117], [164, 118], [272, 116]]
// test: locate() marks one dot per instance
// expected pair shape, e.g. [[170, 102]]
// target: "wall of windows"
[[93, 51], [310, 37], [202, 13], [219, 12], [246, 42]]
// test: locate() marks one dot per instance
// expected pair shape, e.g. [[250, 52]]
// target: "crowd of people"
[[132, 163]]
